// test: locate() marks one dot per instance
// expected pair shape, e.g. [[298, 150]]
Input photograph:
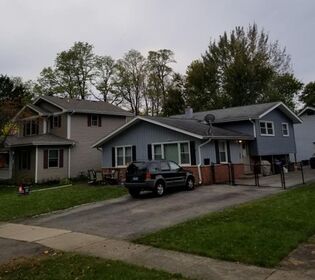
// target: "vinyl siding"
[[305, 137], [278, 144], [143, 133], [83, 157]]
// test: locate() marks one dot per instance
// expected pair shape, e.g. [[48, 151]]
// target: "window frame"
[[225, 152], [96, 121], [124, 155], [266, 127], [7, 159], [58, 159], [287, 129], [29, 125], [56, 122], [178, 150]]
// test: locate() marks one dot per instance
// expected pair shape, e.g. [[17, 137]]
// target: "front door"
[[245, 157]]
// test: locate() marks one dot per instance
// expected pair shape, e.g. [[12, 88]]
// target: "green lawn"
[[15, 206], [70, 266], [259, 233]]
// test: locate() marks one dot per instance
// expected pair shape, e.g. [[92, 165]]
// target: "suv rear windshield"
[[135, 167]]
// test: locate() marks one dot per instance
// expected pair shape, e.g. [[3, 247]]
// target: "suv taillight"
[[147, 175]]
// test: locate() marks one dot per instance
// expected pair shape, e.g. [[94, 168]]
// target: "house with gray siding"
[[239, 136], [54, 136], [305, 134]]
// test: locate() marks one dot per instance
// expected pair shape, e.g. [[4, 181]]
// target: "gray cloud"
[[33, 31]]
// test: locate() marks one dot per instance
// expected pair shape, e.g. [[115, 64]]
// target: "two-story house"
[[54, 138], [239, 135], [305, 134]]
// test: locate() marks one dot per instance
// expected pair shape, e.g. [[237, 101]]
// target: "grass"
[[71, 266], [260, 233], [14, 206]]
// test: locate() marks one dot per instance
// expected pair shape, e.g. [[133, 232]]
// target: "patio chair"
[[91, 176], [99, 177], [113, 177]]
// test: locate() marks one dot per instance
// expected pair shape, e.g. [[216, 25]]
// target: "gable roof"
[[242, 113], [190, 127], [37, 140], [84, 106], [308, 108]]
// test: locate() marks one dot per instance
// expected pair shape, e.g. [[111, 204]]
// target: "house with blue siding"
[[238, 135], [305, 134]]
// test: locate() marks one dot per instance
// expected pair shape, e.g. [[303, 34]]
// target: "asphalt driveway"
[[127, 218]]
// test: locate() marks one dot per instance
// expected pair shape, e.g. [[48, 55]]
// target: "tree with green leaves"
[[71, 75], [159, 78], [130, 80], [308, 94], [174, 103], [105, 79], [14, 94], [241, 68]]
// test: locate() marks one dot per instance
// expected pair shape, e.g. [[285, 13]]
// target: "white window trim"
[[288, 129], [124, 155], [178, 148], [225, 151], [54, 167], [266, 134]]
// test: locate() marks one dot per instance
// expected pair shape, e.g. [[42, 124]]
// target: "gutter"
[[199, 165], [254, 126]]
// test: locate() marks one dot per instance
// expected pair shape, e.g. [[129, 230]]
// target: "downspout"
[[199, 165], [254, 126]]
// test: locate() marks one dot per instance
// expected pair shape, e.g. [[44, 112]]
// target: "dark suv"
[[156, 176]]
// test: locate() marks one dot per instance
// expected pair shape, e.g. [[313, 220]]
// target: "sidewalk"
[[192, 266]]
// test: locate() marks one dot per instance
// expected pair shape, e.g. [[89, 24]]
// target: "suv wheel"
[[190, 184], [160, 188], [134, 193]]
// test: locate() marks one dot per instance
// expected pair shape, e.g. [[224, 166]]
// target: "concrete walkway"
[[191, 266]]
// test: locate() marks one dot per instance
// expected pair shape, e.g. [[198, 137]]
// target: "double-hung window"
[[175, 151], [30, 128], [53, 158], [223, 152], [266, 128], [285, 129], [123, 155]]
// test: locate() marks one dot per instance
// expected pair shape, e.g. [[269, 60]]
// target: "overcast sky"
[[34, 31]]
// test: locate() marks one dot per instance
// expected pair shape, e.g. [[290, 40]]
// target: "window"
[[24, 160], [173, 166], [285, 129], [165, 166], [123, 155], [55, 121], [223, 152], [30, 128], [178, 152], [94, 120], [4, 160], [53, 158], [266, 128]]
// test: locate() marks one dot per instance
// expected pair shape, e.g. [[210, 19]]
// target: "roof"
[[190, 127], [306, 109], [37, 140], [241, 113], [84, 106]]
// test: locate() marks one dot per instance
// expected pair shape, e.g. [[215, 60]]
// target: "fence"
[[262, 175]]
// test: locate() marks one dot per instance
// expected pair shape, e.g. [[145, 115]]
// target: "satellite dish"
[[209, 119]]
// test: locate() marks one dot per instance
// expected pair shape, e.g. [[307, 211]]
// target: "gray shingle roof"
[[37, 140], [38, 109], [196, 127], [86, 106], [240, 113], [190, 127]]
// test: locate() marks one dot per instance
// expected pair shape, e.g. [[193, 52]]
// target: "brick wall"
[[221, 173]]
